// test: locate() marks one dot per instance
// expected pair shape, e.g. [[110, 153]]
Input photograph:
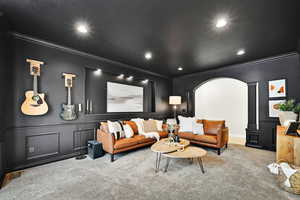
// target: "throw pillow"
[[133, 126], [140, 125], [159, 124], [198, 128], [128, 131], [115, 128], [186, 124], [150, 126]]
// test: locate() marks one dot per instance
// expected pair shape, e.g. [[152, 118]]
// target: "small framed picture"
[[274, 107], [277, 88]]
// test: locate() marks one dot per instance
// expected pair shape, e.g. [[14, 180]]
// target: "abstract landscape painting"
[[124, 98]]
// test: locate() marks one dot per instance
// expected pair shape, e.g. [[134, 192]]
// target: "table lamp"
[[175, 100]]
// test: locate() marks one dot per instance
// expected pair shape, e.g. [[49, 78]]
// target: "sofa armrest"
[[225, 136], [107, 140], [222, 137]]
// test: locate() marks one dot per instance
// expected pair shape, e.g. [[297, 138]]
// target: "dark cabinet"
[[253, 138]]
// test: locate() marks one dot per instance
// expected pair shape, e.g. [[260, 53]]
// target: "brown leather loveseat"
[[112, 146], [215, 135]]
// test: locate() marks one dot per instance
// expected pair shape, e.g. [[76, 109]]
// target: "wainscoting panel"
[[35, 145], [80, 138], [42, 145]]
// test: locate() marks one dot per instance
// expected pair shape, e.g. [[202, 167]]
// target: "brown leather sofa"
[[112, 146], [215, 135]]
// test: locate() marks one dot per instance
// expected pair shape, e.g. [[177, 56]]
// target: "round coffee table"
[[190, 153], [163, 146]]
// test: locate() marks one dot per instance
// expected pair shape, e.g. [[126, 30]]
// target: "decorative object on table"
[[287, 112], [124, 98], [277, 88], [34, 103], [274, 107], [68, 110], [171, 121], [175, 100], [95, 149], [293, 129]]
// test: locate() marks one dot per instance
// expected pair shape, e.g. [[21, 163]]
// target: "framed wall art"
[[274, 107], [277, 88]]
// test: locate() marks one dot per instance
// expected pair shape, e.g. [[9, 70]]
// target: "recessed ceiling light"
[[240, 52], [145, 81], [221, 23], [121, 76], [82, 28], [129, 78], [148, 55], [179, 68], [98, 72]]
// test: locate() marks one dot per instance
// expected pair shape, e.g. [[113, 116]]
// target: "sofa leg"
[[219, 151], [111, 157], [226, 145]]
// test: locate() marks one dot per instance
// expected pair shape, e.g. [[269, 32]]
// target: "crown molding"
[[80, 53], [258, 61]]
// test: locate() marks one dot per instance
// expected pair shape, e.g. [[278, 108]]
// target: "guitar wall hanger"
[[34, 103], [68, 110]]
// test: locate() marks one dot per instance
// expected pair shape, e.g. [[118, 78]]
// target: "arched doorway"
[[224, 99]]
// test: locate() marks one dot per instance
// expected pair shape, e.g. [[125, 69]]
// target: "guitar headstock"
[[69, 79], [35, 67]]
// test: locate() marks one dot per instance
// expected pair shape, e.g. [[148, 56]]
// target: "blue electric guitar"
[[68, 110]]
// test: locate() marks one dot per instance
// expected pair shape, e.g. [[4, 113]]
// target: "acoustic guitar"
[[34, 103], [68, 110]]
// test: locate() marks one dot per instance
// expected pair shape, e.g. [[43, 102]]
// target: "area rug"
[[239, 173]]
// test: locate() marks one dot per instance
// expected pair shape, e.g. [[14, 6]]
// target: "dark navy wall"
[[5, 86], [40, 139], [284, 66]]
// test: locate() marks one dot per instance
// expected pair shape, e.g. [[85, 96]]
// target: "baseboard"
[[237, 140], [45, 161]]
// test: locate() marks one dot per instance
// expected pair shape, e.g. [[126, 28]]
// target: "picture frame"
[[277, 88], [274, 108]]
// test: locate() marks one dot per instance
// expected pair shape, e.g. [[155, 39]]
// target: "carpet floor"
[[239, 173]]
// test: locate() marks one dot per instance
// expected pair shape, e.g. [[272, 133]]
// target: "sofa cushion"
[[104, 127], [186, 135], [133, 126], [213, 127], [211, 139], [149, 126], [125, 142], [142, 139]]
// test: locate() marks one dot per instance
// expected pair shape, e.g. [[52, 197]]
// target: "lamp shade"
[[174, 100]]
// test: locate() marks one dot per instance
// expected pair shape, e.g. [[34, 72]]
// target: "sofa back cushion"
[[213, 127], [150, 126], [104, 127], [133, 126]]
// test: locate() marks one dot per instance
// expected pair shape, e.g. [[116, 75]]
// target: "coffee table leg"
[[157, 162], [167, 164], [201, 164]]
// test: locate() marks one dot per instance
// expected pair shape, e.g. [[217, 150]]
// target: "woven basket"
[[294, 180]]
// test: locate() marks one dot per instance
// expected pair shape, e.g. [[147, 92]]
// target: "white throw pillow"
[[198, 128], [128, 131], [115, 128], [159, 124], [139, 124], [186, 124]]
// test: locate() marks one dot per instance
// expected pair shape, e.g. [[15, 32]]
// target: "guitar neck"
[[69, 96], [35, 85]]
